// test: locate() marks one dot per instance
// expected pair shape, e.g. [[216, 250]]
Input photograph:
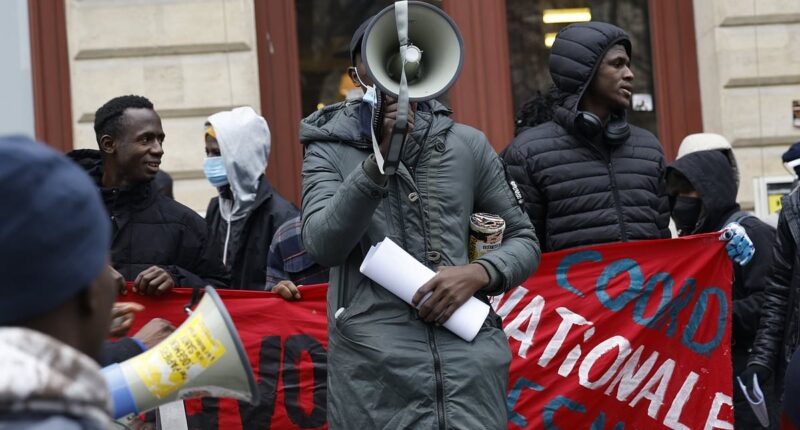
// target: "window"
[[16, 105]]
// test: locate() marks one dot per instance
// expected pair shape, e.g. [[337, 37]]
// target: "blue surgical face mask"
[[214, 168], [370, 95]]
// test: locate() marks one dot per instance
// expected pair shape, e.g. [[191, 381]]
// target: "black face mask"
[[686, 213]]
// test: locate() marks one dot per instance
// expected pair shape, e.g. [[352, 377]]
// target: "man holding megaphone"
[[391, 365]]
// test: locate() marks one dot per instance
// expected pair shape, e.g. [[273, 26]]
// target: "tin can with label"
[[485, 234]]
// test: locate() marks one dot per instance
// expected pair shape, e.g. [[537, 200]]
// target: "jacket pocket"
[[351, 308]]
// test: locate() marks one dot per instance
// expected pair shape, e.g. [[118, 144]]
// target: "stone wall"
[[749, 62], [190, 58]]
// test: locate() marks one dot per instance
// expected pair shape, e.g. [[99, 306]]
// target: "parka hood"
[[713, 177], [244, 141], [577, 52]]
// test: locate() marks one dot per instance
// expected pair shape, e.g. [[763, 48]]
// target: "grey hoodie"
[[244, 141]]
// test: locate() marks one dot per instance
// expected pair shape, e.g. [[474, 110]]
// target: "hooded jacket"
[[244, 226], [712, 175], [581, 191], [387, 369], [46, 384], [714, 179], [149, 229]]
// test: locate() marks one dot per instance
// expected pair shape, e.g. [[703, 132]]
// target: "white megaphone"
[[434, 53], [204, 357], [414, 52]]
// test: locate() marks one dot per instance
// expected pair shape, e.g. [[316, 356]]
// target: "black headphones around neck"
[[615, 132]]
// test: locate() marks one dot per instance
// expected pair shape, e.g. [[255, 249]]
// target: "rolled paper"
[[393, 268]]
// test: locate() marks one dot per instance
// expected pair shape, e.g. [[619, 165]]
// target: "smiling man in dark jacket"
[[702, 191], [588, 177], [158, 243]]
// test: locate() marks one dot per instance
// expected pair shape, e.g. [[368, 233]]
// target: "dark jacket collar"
[[137, 196]]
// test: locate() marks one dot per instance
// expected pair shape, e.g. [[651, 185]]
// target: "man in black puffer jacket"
[[158, 243], [588, 177]]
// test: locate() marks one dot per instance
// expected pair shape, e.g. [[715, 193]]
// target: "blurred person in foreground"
[[243, 218], [57, 290], [157, 243], [702, 189], [390, 365]]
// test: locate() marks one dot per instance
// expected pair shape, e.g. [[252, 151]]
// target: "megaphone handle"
[[395, 147]]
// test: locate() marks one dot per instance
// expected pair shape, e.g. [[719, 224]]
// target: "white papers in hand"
[[394, 269]]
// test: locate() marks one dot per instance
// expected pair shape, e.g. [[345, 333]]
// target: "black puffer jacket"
[[152, 230], [778, 333], [579, 191]]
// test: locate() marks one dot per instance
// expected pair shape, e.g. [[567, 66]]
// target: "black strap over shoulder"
[[738, 217]]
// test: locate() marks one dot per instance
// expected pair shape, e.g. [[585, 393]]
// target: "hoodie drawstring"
[[225, 250]]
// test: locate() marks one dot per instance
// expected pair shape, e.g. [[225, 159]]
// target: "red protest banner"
[[286, 344], [623, 336], [632, 335]]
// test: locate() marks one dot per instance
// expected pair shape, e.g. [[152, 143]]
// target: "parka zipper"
[[437, 371], [617, 204], [437, 362]]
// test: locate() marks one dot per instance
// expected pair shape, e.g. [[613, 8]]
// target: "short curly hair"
[[108, 118], [536, 110]]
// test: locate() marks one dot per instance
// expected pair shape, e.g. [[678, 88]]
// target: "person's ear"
[[87, 299], [101, 292], [107, 144], [351, 71]]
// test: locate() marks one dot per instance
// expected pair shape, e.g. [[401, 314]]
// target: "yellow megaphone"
[[204, 357]]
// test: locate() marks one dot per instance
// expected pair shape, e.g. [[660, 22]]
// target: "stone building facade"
[[726, 66], [749, 64]]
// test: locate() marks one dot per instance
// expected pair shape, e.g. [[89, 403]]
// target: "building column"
[[482, 95], [50, 73], [279, 82], [676, 76]]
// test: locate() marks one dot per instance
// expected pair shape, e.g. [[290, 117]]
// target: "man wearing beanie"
[[157, 243], [778, 335], [588, 177], [57, 291]]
